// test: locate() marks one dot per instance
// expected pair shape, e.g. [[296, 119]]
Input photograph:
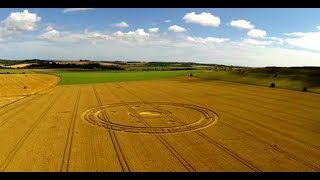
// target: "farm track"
[[50, 129], [115, 142], [68, 146]]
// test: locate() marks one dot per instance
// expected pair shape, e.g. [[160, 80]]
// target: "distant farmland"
[[85, 77]]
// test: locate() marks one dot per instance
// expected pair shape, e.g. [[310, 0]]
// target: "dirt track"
[[165, 125]]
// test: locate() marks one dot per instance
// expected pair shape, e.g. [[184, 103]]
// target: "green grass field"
[[294, 79], [288, 81], [112, 76], [16, 71], [19, 71]]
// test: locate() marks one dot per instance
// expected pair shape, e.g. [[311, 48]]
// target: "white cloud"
[[19, 22], [177, 29], [207, 40], [204, 19], [55, 35], [95, 36], [153, 30], [50, 35], [132, 36], [167, 21], [257, 42], [308, 40], [136, 36], [122, 25], [49, 28], [257, 33], [296, 34], [276, 40], [318, 27], [242, 24], [3, 33], [76, 9]]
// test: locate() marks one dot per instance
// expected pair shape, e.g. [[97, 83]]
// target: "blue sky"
[[237, 36]]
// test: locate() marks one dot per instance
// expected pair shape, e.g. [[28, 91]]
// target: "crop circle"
[[151, 117]]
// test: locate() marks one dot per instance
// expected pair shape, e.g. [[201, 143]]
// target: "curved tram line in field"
[[16, 87], [94, 116]]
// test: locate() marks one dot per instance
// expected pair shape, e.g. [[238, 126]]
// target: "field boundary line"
[[23, 103], [14, 101], [35, 93], [14, 110]]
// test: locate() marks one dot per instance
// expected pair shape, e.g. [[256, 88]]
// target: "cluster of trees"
[[166, 69], [163, 64], [8, 62], [53, 65]]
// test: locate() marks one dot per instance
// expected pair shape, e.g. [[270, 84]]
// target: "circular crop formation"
[[150, 117]]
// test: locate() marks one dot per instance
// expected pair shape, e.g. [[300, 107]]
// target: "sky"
[[254, 37]]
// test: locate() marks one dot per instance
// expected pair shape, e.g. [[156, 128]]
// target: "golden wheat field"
[[183, 124], [14, 87]]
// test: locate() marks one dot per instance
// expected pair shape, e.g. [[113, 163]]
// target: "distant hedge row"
[[53, 65]]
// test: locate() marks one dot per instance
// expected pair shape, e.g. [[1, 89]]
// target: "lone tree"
[[272, 85], [304, 89]]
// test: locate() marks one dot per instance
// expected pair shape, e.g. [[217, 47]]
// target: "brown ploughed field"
[[183, 124]]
